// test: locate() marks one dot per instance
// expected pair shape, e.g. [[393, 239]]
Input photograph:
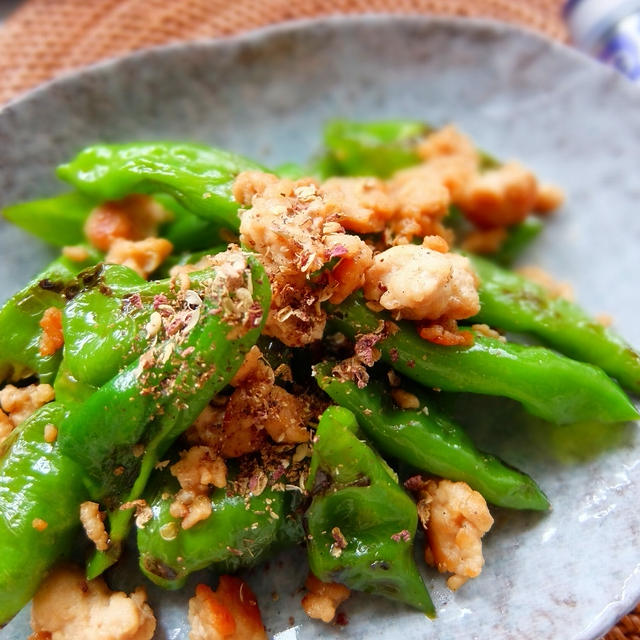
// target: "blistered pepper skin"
[[40, 495], [119, 432], [510, 301], [20, 317], [547, 384], [428, 440], [361, 524], [240, 532], [197, 176]]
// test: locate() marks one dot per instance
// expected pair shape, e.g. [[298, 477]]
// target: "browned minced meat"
[[422, 284], [52, 338], [68, 607], [20, 402], [143, 256], [135, 217], [295, 227], [323, 598], [455, 518]]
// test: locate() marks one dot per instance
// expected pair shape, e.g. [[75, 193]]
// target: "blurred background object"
[[609, 30], [43, 38]]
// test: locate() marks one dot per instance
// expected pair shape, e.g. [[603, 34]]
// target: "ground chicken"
[[484, 240], [421, 199], [256, 409], [295, 228], [143, 256], [76, 253], [68, 607], [456, 518], [452, 158], [548, 198], [421, 284], [553, 287], [445, 142], [199, 469], [92, 520], [229, 613], [52, 338], [20, 402], [323, 598], [364, 204], [190, 507], [135, 217], [6, 426], [500, 197]]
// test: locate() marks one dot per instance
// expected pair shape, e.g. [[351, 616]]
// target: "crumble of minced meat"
[[135, 217], [92, 520], [446, 333], [295, 228], [323, 598], [548, 198], [68, 607], [198, 470], [365, 204], [495, 197], [500, 197], [455, 517], [419, 283], [553, 287], [484, 240], [422, 201], [75, 253], [229, 613], [232, 427], [143, 256], [18, 403], [51, 324]]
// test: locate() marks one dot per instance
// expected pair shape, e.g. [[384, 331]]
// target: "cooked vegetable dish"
[[230, 360]]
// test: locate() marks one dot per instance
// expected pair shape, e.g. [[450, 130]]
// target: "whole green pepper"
[[377, 148], [241, 531], [547, 384], [20, 320], [199, 177], [40, 495], [119, 432], [511, 302], [430, 441], [58, 220], [361, 524]]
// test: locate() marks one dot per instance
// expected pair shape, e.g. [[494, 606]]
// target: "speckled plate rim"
[[605, 619]]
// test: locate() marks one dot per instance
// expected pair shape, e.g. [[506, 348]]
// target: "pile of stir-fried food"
[[231, 360]]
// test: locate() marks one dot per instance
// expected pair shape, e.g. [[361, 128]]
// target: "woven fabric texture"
[[46, 37]]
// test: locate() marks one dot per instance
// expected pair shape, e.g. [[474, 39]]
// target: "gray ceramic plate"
[[569, 574]]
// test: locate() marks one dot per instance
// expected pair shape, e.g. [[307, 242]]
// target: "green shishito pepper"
[[361, 524], [241, 531], [58, 220], [20, 317], [119, 432], [511, 302], [547, 384], [377, 148], [430, 441], [197, 176], [40, 494]]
